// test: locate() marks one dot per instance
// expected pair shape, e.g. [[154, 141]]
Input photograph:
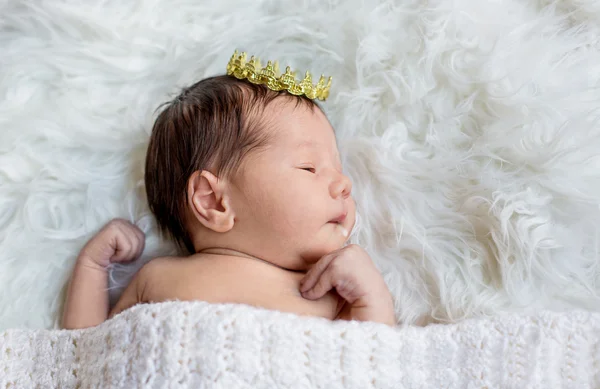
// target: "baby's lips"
[[340, 219]]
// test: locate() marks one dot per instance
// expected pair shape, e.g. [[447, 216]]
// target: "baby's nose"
[[341, 186]]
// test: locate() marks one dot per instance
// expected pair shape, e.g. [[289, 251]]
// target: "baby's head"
[[234, 165]]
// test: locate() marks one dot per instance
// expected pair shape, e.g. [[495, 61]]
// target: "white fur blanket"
[[469, 128], [199, 345]]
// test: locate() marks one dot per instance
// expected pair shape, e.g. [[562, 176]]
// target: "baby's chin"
[[318, 251]]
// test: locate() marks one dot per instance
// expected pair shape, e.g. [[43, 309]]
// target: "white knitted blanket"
[[200, 345]]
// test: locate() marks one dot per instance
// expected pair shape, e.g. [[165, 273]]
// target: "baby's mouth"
[[338, 223], [340, 219]]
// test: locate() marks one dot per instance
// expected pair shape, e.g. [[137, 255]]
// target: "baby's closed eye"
[[308, 169]]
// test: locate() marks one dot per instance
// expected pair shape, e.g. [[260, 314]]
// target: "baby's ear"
[[209, 202]]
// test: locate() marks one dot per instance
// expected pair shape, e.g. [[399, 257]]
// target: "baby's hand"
[[117, 241], [355, 278]]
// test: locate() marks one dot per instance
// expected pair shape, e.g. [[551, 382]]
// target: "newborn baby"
[[248, 181]]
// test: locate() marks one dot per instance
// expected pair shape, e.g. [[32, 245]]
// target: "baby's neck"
[[273, 286], [240, 254]]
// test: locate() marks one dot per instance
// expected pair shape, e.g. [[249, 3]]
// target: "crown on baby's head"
[[269, 76]]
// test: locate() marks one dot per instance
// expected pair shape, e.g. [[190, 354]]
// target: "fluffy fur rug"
[[469, 127]]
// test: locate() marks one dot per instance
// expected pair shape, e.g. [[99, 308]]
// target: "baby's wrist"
[[91, 262], [384, 313], [383, 304], [380, 295]]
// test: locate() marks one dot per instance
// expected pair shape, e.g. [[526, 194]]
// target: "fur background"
[[469, 127]]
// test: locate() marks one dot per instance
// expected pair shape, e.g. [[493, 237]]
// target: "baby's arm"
[[87, 297]]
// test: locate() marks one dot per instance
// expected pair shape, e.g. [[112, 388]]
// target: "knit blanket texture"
[[201, 345]]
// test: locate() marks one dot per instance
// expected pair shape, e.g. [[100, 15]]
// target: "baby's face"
[[293, 199]]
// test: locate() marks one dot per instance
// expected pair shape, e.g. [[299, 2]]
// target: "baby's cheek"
[[296, 219], [290, 206]]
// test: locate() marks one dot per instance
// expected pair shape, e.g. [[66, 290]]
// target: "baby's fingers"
[[323, 285], [312, 276], [122, 248], [129, 244], [140, 242]]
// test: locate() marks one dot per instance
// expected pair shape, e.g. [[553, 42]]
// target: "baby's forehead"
[[306, 146], [302, 138], [294, 125]]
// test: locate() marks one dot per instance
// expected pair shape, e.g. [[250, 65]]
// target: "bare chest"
[[239, 283]]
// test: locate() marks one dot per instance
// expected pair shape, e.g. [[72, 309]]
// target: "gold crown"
[[269, 75]]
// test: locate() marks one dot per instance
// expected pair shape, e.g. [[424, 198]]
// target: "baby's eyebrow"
[[309, 144]]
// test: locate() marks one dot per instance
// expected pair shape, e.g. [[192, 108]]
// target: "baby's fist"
[[352, 273], [118, 241]]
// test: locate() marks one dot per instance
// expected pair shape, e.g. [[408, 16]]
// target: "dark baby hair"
[[211, 125]]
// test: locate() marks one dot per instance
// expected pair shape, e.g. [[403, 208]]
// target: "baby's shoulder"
[[157, 268], [160, 264], [159, 276]]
